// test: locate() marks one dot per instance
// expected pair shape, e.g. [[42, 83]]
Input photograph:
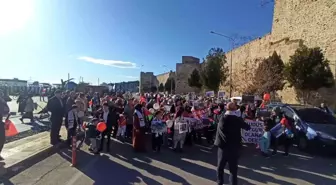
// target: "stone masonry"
[[295, 22], [147, 80], [162, 78], [183, 71]]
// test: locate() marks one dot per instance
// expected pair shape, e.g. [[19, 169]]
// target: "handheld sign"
[[221, 94], [253, 135], [248, 99], [210, 94], [183, 127]]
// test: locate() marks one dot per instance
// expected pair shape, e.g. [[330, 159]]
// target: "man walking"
[[228, 141], [56, 107]]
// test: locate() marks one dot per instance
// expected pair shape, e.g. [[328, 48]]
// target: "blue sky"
[[114, 39]]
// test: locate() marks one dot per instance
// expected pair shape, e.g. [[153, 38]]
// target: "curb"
[[29, 161]]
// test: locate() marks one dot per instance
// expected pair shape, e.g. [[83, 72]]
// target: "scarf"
[[141, 118]]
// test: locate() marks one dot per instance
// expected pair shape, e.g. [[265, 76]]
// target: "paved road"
[[27, 128], [196, 167], [27, 125]]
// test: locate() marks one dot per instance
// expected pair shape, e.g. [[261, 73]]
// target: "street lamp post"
[[232, 40]]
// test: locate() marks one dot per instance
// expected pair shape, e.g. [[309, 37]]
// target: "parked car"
[[315, 129]]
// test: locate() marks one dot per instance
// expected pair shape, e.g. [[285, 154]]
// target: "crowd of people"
[[169, 120]]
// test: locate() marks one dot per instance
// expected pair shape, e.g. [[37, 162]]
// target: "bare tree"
[[244, 77]]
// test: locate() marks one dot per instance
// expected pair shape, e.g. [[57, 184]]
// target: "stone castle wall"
[[295, 22], [162, 78], [183, 71], [147, 80]]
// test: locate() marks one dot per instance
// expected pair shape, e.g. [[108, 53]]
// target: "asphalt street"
[[15, 118], [196, 166]]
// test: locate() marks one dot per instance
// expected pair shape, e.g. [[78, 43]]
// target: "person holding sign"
[[158, 128], [180, 129], [228, 141]]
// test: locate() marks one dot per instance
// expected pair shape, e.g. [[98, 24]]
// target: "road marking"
[[80, 173]]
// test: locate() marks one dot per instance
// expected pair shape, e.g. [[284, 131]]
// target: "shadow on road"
[[36, 127], [122, 166], [105, 171]]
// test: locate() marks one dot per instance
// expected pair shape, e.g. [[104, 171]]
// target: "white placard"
[[210, 94], [253, 135], [183, 127], [221, 94]]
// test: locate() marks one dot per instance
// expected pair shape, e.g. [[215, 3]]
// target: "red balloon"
[[267, 97], [101, 126]]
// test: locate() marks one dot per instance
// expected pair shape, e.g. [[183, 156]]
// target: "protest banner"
[[193, 95], [256, 131], [210, 94], [221, 94]]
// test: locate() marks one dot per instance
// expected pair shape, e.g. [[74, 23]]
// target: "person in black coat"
[[228, 141], [22, 102], [4, 111], [110, 117], [56, 107]]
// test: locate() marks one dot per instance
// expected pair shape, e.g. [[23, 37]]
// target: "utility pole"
[[232, 40]]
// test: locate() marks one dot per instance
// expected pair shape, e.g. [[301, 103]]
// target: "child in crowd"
[[121, 127], [93, 135], [265, 140], [158, 128]]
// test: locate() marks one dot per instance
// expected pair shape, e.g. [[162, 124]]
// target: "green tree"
[[195, 79], [269, 75], [153, 89], [161, 87], [307, 71], [215, 71], [170, 85]]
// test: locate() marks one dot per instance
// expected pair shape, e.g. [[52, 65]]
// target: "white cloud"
[[112, 63], [132, 77]]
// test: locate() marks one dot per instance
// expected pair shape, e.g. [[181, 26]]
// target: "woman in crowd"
[[29, 109], [180, 129], [139, 144]]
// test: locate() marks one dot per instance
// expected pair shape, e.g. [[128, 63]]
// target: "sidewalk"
[[24, 152]]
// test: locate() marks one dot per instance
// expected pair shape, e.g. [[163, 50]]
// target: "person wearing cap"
[[56, 107], [4, 111], [228, 141]]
